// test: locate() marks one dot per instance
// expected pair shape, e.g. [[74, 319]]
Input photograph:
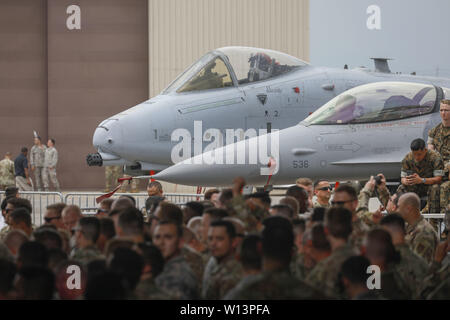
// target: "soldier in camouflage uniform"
[[380, 251], [275, 281], [148, 290], [439, 140], [345, 195], [412, 267], [50, 162], [177, 278], [250, 211], [354, 279], [37, 157], [7, 172], [322, 190], [153, 266], [112, 173], [195, 261], [370, 190], [227, 271], [420, 235], [250, 256], [324, 276], [87, 232], [435, 284], [316, 248], [421, 173]]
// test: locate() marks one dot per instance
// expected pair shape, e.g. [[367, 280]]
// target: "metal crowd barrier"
[[39, 202], [86, 200]]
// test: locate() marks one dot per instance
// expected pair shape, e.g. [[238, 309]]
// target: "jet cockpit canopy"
[[375, 102], [233, 66]]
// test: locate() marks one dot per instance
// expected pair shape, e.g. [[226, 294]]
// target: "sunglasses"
[[340, 203], [49, 219], [325, 188]]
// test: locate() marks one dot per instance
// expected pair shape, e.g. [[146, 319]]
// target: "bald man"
[[420, 235]]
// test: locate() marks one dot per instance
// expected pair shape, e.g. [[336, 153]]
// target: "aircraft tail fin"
[[381, 65]]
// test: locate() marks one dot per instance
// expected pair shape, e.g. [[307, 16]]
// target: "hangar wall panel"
[[181, 31], [23, 74], [93, 73]]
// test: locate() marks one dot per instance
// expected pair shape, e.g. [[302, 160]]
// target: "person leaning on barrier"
[[23, 181], [421, 173], [7, 172], [439, 140]]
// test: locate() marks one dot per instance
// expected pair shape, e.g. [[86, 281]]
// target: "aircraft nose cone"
[[100, 137], [107, 137]]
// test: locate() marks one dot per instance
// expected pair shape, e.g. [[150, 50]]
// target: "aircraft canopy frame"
[[232, 67]]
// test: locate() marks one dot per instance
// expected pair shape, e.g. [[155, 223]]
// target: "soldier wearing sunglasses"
[[322, 190]]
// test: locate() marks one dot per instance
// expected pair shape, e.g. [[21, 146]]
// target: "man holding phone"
[[421, 173]]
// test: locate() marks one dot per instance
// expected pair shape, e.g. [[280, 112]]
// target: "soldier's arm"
[[438, 172], [404, 171], [53, 158], [32, 157], [430, 141], [384, 195], [56, 157]]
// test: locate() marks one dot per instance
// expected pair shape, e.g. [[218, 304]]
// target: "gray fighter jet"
[[361, 132], [228, 88]]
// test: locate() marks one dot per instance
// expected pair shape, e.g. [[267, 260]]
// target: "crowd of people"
[[316, 243], [42, 164]]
